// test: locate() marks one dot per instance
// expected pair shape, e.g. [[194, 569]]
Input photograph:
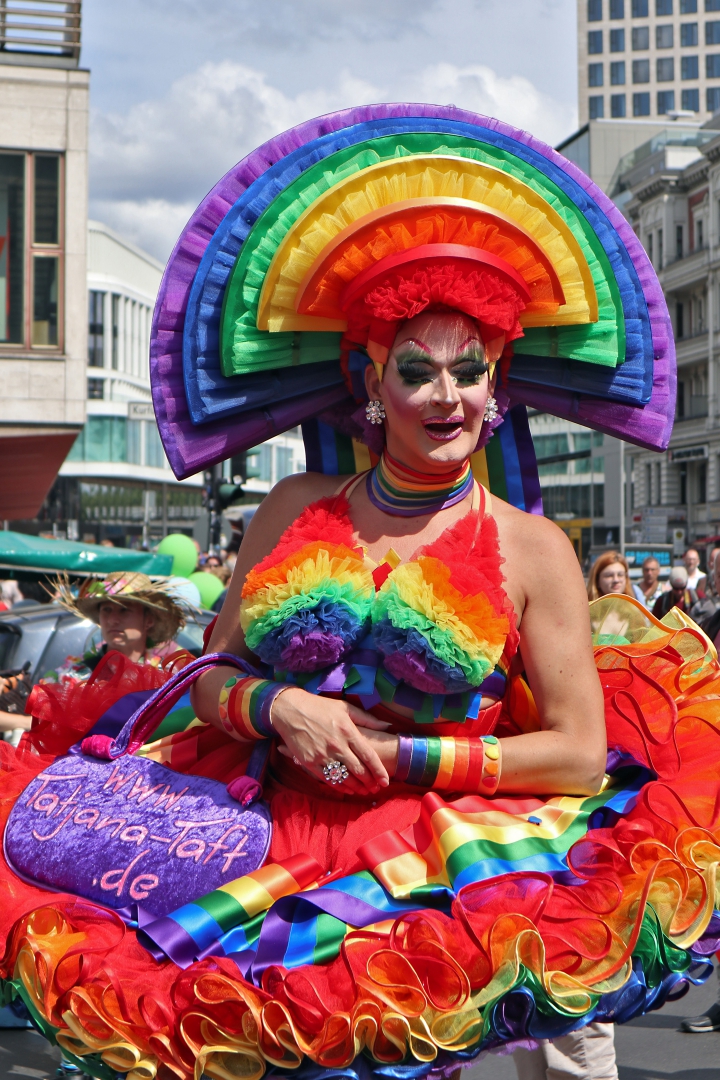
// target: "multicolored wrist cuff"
[[446, 764], [244, 706]]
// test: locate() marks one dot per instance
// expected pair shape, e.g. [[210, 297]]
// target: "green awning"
[[22, 552]]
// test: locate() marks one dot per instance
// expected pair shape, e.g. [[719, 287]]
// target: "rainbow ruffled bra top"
[[433, 635]]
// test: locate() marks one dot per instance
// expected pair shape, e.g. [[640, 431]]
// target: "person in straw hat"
[[135, 617], [134, 614]]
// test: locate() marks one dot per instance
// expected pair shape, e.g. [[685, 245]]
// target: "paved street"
[[648, 1049]]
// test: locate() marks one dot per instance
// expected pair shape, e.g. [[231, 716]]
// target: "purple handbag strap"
[[144, 720]]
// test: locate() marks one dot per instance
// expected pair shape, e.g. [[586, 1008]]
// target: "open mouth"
[[443, 429]]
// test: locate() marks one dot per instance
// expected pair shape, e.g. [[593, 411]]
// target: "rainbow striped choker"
[[402, 492]]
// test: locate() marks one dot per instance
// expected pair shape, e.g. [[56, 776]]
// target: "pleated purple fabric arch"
[[191, 448]]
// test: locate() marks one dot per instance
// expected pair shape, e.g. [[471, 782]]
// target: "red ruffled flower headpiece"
[[434, 277]]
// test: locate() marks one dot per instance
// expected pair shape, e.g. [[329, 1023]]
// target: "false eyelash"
[[412, 371], [474, 369]]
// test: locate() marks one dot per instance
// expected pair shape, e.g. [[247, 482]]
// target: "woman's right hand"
[[315, 730]]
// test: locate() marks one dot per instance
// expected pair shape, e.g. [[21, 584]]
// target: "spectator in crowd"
[[710, 619], [610, 574], [708, 604], [649, 587], [696, 578], [11, 594], [678, 595], [135, 617], [212, 562]]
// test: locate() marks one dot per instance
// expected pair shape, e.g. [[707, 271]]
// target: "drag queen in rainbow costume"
[[488, 826]]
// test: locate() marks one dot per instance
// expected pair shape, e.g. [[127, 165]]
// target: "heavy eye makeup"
[[415, 368]]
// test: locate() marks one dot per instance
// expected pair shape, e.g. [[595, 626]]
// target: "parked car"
[[43, 635]]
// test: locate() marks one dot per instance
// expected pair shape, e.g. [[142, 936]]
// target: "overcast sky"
[[182, 89]]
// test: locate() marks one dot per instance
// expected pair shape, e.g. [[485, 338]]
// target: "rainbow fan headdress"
[[255, 325]]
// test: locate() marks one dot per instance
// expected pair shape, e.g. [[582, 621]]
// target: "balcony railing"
[[40, 26]]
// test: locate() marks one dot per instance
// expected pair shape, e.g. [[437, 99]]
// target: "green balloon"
[[208, 586], [183, 551]]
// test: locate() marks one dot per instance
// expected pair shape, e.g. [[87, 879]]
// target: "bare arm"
[[568, 755]]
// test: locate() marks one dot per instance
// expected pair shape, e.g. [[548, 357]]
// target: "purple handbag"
[[128, 831]]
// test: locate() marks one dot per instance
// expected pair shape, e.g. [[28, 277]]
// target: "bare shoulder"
[[538, 555]]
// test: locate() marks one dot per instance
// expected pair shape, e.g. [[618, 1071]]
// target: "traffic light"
[[227, 494]]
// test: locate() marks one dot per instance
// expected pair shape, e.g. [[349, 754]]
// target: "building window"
[[617, 106], [688, 7], [680, 403], [680, 318], [104, 438], [283, 461], [617, 73], [689, 67], [115, 316], [699, 233], [154, 453], [30, 270], [649, 247], [660, 249], [702, 481], [594, 10], [597, 109], [690, 100], [641, 104], [688, 35], [45, 300], [663, 7], [665, 101], [665, 69], [712, 5], [664, 36], [712, 33], [679, 246], [640, 38], [617, 41], [595, 74], [134, 441], [95, 389], [96, 329], [595, 41], [712, 99], [617, 9], [259, 463], [639, 9], [641, 71]]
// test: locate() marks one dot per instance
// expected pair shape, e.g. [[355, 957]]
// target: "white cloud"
[[153, 165], [514, 100]]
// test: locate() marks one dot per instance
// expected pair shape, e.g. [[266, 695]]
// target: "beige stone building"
[[43, 241]]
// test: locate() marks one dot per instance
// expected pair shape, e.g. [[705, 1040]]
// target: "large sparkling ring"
[[335, 772]]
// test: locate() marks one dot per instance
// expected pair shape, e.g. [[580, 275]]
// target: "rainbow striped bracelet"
[[449, 764], [244, 706]]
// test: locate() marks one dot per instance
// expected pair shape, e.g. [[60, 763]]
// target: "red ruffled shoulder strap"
[[326, 521]]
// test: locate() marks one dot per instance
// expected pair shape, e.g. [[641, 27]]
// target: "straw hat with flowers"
[[122, 588]]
